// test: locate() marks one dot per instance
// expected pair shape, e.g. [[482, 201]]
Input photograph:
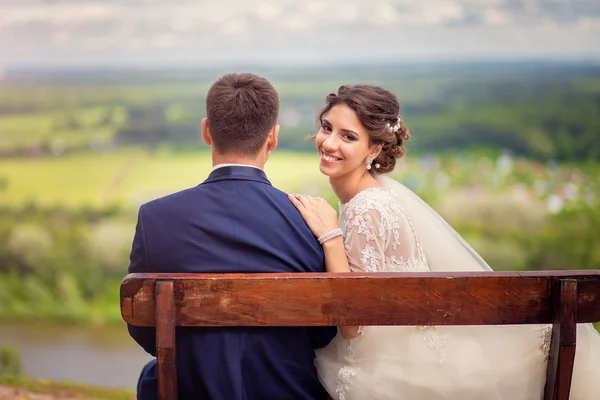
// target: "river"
[[103, 356]]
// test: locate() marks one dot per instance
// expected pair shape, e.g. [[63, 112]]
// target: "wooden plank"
[[165, 340], [568, 337], [562, 348], [485, 298]]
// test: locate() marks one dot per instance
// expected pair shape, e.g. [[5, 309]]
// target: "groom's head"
[[241, 118]]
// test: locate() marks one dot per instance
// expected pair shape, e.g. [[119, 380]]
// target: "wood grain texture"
[[165, 340], [316, 299], [562, 348]]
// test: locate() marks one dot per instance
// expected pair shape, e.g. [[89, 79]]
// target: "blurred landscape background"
[[100, 110]]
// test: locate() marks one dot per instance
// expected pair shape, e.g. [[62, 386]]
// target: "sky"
[[293, 32]]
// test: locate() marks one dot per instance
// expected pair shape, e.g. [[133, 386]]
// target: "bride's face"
[[342, 142]]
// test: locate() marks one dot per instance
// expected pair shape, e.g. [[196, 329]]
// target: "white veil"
[[444, 248]]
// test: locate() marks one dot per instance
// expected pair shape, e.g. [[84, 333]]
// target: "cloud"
[[497, 17], [291, 30], [559, 11]]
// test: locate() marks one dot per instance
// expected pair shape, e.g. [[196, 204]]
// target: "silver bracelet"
[[330, 235]]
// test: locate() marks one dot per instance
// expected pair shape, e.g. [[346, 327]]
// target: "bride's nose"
[[330, 143]]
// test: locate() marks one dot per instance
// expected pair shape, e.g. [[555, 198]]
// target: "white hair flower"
[[396, 126]]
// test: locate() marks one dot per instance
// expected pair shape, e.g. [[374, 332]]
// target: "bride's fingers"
[[304, 200], [293, 198], [313, 201], [307, 205], [297, 203]]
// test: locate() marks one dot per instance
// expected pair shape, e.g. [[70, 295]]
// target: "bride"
[[387, 228]]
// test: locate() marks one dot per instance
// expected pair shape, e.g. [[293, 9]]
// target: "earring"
[[369, 162]]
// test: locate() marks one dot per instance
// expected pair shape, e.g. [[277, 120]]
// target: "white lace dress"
[[406, 363]]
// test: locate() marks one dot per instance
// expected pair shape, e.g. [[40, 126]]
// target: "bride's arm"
[[321, 218], [335, 255], [336, 261]]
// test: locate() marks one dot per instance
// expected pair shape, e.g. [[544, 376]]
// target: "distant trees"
[[545, 123], [544, 117]]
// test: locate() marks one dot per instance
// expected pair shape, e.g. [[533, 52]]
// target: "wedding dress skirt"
[[455, 362]]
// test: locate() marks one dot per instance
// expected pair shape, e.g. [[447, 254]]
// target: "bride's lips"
[[329, 159]]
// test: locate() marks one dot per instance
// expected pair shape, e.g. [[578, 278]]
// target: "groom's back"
[[229, 225], [233, 222]]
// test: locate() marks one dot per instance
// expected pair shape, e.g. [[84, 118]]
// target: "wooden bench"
[[561, 298]]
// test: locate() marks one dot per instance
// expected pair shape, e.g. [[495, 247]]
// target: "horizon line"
[[31, 66]]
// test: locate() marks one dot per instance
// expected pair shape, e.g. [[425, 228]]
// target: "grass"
[[67, 389], [70, 127], [44, 304], [132, 177]]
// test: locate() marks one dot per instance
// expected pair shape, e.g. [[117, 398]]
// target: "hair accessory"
[[369, 161], [377, 166], [330, 235], [396, 126]]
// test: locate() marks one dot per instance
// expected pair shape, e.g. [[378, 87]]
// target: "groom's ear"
[[273, 138], [205, 132]]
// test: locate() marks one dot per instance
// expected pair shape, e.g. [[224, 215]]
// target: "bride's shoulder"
[[378, 199]]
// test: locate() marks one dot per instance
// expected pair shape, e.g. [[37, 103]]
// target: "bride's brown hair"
[[379, 112]]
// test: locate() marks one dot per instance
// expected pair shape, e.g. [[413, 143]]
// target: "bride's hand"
[[320, 217]]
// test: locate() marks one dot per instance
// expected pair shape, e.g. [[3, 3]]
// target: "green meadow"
[[133, 176]]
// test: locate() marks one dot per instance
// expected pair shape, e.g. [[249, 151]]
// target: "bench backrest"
[[561, 298]]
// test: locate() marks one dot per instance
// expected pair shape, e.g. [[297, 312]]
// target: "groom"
[[234, 221]]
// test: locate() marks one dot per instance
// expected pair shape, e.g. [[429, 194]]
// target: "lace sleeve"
[[365, 250], [379, 237]]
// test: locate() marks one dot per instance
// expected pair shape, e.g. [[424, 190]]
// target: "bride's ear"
[[375, 150]]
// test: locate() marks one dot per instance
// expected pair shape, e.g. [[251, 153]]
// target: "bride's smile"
[[326, 158]]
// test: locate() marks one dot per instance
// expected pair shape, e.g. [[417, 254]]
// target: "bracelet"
[[330, 235]]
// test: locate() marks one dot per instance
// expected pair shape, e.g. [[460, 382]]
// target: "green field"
[[79, 127], [131, 177]]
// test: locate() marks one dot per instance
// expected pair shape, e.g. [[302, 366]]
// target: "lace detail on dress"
[[346, 373], [356, 213], [370, 259], [545, 333], [392, 264], [436, 341]]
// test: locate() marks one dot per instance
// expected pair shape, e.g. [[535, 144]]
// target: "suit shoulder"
[[276, 192], [170, 199], [281, 198]]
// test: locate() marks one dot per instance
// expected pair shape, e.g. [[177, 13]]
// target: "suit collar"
[[239, 173], [232, 165]]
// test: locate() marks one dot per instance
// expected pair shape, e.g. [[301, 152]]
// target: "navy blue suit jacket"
[[235, 221]]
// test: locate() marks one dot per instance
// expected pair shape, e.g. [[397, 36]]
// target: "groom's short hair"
[[241, 109]]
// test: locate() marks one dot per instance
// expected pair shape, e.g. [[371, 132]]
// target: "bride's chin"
[[325, 170]]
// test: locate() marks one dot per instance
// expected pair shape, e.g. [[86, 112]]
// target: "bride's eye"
[[349, 137], [326, 128]]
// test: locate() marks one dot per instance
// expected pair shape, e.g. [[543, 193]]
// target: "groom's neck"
[[237, 159]]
